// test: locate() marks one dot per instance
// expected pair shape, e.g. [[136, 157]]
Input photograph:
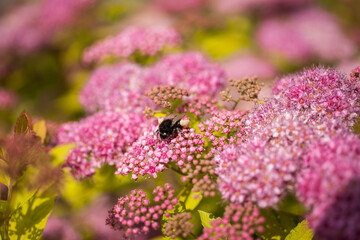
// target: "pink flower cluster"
[[122, 86], [238, 222], [322, 93], [178, 225], [135, 214], [330, 167], [7, 99], [117, 87], [305, 34], [38, 23], [200, 105], [148, 41], [178, 6], [150, 155], [224, 127], [191, 71], [100, 138]]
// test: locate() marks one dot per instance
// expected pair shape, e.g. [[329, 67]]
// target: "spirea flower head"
[[200, 105], [178, 225], [148, 41], [191, 71], [239, 222], [328, 166], [355, 75], [305, 34], [150, 155], [224, 127], [338, 219], [165, 95], [100, 138], [117, 87], [136, 213], [253, 173], [30, 31], [322, 93]]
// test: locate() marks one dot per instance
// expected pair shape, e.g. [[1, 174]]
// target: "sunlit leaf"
[[61, 152], [4, 178], [193, 200], [301, 232], [40, 130], [23, 124], [29, 220], [205, 219]]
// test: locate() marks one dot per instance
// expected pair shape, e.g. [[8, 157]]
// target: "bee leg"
[[179, 130], [157, 133]]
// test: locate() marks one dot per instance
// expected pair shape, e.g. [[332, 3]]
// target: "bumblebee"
[[171, 125]]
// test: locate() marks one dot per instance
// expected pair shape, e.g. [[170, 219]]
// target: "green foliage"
[[29, 219], [193, 200], [301, 232], [277, 224], [60, 152], [205, 218], [23, 124]]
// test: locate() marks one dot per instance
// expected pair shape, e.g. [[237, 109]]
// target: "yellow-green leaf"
[[193, 200], [159, 114], [61, 152], [3, 205], [4, 178], [40, 130], [205, 219], [301, 232]]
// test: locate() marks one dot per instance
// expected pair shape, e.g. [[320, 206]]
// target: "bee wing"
[[178, 118]]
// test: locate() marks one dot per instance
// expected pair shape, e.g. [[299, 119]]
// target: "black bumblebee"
[[171, 125]]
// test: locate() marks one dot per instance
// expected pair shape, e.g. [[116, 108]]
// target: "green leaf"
[[3, 205], [205, 219], [301, 232], [60, 153], [193, 200], [277, 224], [29, 220], [23, 124], [4, 178], [40, 130]]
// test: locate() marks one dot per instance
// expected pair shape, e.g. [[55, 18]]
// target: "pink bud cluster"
[[150, 155], [178, 224], [355, 75], [165, 95], [117, 87], [330, 166], [191, 71], [135, 213], [224, 127], [248, 87], [30, 32], [100, 138], [305, 34], [323, 93], [200, 105], [147, 41], [238, 222], [201, 173], [7, 99]]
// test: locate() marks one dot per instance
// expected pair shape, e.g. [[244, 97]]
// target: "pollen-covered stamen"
[[184, 123]]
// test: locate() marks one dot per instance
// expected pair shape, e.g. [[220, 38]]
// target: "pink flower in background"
[[227, 6], [60, 229], [247, 66], [117, 87], [38, 23], [8, 99], [148, 41], [100, 138], [309, 33], [329, 182], [178, 6], [191, 71], [323, 93]]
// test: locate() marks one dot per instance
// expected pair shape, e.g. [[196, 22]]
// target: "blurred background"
[[42, 44]]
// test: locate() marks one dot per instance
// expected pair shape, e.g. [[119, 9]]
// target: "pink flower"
[[100, 138], [305, 34], [133, 214], [148, 41], [329, 184], [59, 228], [178, 6], [8, 99], [191, 71], [322, 93], [31, 31]]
